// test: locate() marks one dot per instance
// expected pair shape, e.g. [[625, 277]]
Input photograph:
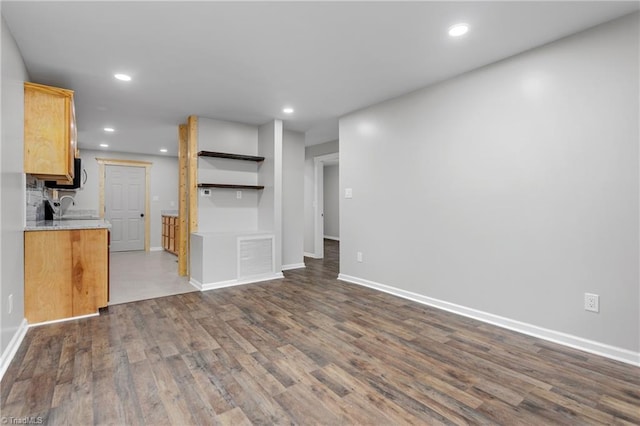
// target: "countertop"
[[173, 213], [66, 224]]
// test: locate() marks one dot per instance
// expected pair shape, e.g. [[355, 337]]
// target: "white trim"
[[232, 283], [293, 266], [329, 237], [602, 349], [318, 206], [195, 283], [64, 320], [156, 249], [311, 255], [12, 348]]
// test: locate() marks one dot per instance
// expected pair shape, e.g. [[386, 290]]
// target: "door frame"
[[318, 202], [102, 162]]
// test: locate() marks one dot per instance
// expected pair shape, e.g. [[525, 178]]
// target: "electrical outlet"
[[10, 303], [239, 195], [359, 256], [591, 302]]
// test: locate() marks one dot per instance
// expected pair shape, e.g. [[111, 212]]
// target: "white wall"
[[309, 183], [331, 202], [292, 199], [12, 195], [163, 176], [266, 149], [270, 176], [511, 190], [223, 211]]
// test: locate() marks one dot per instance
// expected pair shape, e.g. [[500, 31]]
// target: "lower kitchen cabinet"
[[170, 234], [66, 273]]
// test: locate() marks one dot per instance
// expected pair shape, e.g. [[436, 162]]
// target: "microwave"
[[77, 178]]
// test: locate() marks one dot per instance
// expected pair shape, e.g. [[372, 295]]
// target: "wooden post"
[[183, 211], [192, 137]]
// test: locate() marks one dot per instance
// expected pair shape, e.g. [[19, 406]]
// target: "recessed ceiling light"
[[104, 145], [122, 77], [109, 129], [287, 110], [458, 30], [163, 149]]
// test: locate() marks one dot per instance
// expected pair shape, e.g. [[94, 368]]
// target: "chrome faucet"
[[58, 204], [73, 201]]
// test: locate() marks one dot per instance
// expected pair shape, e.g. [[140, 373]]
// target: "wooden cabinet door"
[[65, 273], [47, 270], [89, 263], [49, 132], [172, 234], [165, 232]]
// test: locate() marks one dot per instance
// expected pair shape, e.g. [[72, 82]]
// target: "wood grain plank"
[[208, 383], [306, 350], [234, 417]]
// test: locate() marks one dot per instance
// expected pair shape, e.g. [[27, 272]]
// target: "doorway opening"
[[325, 208], [137, 272]]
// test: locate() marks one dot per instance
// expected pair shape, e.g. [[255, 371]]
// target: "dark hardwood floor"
[[306, 350]]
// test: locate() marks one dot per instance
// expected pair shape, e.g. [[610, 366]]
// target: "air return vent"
[[255, 256]]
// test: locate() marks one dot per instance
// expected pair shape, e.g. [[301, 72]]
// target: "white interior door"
[[124, 206]]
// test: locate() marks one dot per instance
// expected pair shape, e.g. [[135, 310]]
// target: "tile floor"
[[140, 275]]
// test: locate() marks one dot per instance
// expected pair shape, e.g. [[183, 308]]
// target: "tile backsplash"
[[35, 197], [36, 194]]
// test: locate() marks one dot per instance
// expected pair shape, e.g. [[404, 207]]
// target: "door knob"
[[141, 214]]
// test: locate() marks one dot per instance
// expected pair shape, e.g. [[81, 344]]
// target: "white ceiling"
[[245, 61]]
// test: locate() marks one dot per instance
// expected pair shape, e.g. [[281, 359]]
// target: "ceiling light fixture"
[[287, 110], [458, 30], [104, 145], [122, 77], [109, 129], [163, 149]]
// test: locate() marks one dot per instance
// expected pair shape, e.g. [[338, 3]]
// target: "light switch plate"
[[348, 193]]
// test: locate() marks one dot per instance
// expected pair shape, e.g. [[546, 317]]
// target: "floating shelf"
[[230, 156], [228, 186]]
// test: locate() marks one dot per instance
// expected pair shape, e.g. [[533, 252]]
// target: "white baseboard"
[[156, 249], [293, 266], [231, 283], [64, 320], [195, 283], [602, 349], [329, 237], [311, 255], [12, 348]]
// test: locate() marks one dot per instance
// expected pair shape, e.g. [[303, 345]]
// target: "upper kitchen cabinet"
[[49, 132]]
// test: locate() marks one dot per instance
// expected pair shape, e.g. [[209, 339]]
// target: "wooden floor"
[[306, 350]]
